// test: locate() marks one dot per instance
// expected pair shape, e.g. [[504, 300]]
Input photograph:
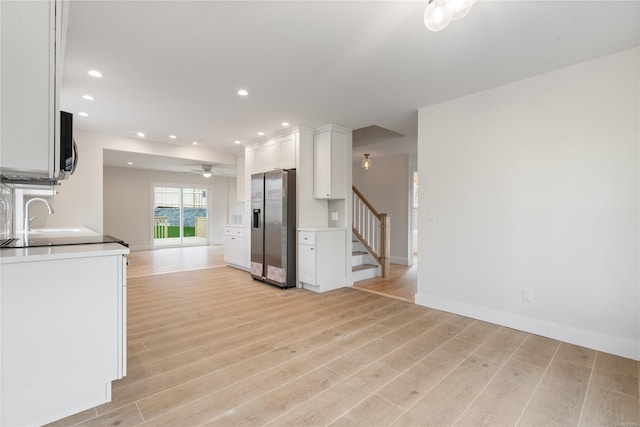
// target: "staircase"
[[371, 237], [362, 264]]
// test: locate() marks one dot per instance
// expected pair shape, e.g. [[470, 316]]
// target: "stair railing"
[[373, 229]]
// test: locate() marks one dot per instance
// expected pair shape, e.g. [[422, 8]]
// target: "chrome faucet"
[[27, 220]]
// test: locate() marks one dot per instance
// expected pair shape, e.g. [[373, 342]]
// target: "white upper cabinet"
[[268, 156], [275, 153], [31, 34], [329, 164], [240, 182], [288, 152], [249, 165]]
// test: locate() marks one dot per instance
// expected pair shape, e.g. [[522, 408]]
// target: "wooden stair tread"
[[356, 253], [362, 267]]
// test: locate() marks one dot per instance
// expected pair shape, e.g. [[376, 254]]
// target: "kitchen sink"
[[63, 231], [55, 230]]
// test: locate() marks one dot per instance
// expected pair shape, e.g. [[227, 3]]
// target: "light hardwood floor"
[[401, 283], [169, 260], [210, 346]]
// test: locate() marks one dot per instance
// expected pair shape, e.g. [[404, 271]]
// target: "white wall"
[[79, 199], [536, 185], [386, 186], [128, 198]]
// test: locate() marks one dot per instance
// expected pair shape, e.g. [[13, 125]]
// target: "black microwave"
[[68, 147], [64, 162]]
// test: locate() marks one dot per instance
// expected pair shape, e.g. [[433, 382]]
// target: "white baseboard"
[[239, 267], [585, 338], [398, 260]]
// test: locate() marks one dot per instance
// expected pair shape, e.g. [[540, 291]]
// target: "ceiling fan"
[[208, 170]]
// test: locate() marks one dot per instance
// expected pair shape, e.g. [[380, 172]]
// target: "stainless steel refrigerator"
[[273, 227]]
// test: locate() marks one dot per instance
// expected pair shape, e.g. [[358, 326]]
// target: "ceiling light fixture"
[[243, 92], [140, 134], [83, 114], [195, 143], [206, 171], [285, 124], [260, 133], [129, 163], [88, 97], [440, 13], [95, 73], [237, 142], [366, 162], [172, 136]]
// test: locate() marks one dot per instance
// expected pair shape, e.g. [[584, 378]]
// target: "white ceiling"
[[163, 163], [173, 67]]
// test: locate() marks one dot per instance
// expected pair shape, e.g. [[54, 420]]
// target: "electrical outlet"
[[431, 216], [527, 295], [334, 216]]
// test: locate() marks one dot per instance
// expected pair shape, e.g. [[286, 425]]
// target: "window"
[[179, 216]]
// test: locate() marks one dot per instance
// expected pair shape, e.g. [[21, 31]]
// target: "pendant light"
[[440, 13], [460, 8], [366, 162]]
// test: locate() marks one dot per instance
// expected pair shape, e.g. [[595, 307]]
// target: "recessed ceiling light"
[[260, 133], [285, 124], [95, 73], [140, 134], [88, 97], [243, 92], [237, 142], [195, 142], [129, 163], [172, 136], [83, 114]]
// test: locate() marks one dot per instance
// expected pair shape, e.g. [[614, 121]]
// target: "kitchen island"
[[63, 330]]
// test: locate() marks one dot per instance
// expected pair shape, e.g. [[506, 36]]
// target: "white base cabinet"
[[234, 246], [63, 335], [321, 259]]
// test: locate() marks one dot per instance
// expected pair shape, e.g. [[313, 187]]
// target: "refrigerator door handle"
[[256, 219]]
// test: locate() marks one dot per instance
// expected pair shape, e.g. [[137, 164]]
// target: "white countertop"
[[235, 225], [320, 229], [48, 253]]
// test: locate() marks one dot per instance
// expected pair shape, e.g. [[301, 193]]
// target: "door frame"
[[181, 186], [413, 219]]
